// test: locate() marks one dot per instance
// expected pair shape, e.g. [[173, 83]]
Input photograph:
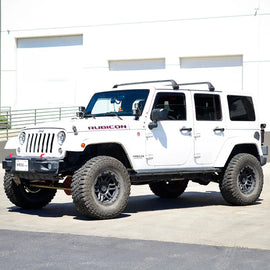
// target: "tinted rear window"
[[241, 108]]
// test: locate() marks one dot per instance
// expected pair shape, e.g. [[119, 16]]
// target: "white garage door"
[[225, 72], [47, 71], [137, 64]]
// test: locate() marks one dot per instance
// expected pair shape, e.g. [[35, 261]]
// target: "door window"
[[208, 107], [175, 103]]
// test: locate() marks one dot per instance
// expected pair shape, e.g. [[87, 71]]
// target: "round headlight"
[[61, 136], [22, 138]]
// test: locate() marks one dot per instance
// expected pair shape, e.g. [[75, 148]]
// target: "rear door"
[[209, 127]]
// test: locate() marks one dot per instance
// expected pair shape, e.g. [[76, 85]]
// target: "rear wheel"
[[101, 188], [24, 196], [167, 189], [243, 180]]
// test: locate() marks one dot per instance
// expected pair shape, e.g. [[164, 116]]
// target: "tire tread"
[[228, 185], [84, 203]]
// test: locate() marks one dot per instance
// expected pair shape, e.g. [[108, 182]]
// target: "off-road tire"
[[243, 180], [26, 197], [101, 187], [169, 190]]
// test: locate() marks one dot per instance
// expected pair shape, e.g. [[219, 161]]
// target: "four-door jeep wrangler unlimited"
[[152, 133]]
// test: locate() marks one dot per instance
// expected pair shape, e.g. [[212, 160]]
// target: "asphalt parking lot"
[[200, 220]]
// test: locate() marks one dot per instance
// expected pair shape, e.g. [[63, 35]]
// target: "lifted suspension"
[[60, 186]]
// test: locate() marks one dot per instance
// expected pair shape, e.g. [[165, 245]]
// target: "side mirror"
[[157, 115], [81, 111], [137, 108]]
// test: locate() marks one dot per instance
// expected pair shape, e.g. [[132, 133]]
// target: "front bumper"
[[32, 167]]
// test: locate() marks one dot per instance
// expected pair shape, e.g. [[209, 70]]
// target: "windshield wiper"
[[112, 114], [89, 115]]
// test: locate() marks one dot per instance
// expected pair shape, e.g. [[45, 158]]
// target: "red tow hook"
[[67, 185], [11, 154]]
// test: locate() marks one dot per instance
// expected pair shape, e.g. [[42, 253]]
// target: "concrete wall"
[[4, 153], [195, 40]]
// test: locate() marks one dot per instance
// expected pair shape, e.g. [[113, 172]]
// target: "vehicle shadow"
[[141, 203], [187, 200], [52, 210]]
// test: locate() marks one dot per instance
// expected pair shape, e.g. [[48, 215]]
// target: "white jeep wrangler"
[[152, 133]]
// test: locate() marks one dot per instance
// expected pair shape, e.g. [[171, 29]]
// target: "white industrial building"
[[58, 52]]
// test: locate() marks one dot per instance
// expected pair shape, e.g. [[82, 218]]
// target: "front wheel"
[[24, 196], [101, 188], [243, 180]]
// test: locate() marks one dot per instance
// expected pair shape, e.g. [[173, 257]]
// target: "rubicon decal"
[[108, 127]]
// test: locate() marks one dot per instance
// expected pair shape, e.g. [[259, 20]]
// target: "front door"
[[171, 142]]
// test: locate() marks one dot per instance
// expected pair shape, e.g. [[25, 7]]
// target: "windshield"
[[121, 103]]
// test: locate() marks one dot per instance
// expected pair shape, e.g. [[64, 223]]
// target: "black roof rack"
[[174, 84], [210, 85]]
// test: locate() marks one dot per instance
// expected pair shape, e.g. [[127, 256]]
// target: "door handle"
[[186, 129], [219, 129]]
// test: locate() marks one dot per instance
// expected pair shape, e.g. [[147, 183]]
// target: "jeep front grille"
[[39, 142]]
